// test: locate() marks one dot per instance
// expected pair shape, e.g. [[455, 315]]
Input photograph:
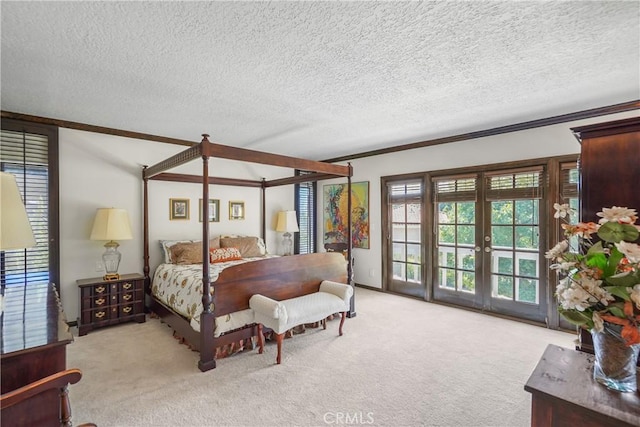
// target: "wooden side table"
[[564, 393], [108, 302]]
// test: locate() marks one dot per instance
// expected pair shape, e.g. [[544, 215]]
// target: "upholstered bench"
[[280, 316]]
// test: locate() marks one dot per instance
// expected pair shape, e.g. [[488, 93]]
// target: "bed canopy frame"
[[206, 150]]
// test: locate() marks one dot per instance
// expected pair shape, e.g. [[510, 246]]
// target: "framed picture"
[[335, 214], [214, 210], [178, 209], [236, 210]]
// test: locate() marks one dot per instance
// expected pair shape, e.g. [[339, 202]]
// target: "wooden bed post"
[[264, 211], [352, 308], [145, 209], [207, 318]]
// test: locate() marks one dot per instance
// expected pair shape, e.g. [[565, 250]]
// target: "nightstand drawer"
[[105, 303]]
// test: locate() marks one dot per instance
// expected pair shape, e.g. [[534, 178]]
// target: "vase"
[[615, 362]]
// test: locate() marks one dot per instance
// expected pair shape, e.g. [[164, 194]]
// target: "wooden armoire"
[[609, 174]]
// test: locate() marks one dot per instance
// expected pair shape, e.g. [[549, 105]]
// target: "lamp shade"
[[111, 224], [287, 222], [15, 229]]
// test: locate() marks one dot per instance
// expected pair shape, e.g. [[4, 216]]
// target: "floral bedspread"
[[180, 288]]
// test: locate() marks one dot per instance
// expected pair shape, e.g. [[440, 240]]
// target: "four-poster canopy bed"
[[276, 277]]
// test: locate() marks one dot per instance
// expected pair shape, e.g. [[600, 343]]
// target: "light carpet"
[[400, 362]]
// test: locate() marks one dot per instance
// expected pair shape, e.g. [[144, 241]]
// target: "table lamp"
[[287, 224], [15, 229], [111, 224]]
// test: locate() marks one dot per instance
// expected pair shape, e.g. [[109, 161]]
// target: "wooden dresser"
[[609, 174], [33, 335], [564, 393]]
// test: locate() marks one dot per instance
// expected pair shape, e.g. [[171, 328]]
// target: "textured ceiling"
[[316, 79]]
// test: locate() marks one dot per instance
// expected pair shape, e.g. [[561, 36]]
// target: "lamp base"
[[287, 244], [111, 276]]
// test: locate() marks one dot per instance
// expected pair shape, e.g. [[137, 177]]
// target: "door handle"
[[487, 249]]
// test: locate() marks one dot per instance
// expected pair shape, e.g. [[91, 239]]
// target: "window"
[[29, 153], [305, 205]]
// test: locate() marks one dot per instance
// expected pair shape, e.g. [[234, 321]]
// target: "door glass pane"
[[502, 287], [446, 257], [526, 211], [413, 212], [399, 252], [527, 237], [398, 233], [502, 236], [447, 278], [414, 233], [397, 212], [466, 213], [413, 273], [527, 264], [466, 235], [502, 212], [447, 234], [527, 291], [413, 253], [398, 271], [446, 213], [468, 281]]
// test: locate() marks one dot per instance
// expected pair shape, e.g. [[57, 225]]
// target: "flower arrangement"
[[601, 278]]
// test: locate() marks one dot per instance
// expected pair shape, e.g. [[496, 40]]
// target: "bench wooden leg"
[[260, 339], [279, 338], [324, 323], [342, 317]]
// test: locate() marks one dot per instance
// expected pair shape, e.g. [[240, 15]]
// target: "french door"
[[406, 238], [489, 245]]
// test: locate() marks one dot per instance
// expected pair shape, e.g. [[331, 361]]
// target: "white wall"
[[548, 141], [106, 171]]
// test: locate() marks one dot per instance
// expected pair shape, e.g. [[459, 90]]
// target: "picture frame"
[[335, 202], [178, 209], [236, 210], [214, 210]]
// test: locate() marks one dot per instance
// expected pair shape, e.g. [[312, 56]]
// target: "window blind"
[[26, 157], [527, 183], [305, 201], [460, 188]]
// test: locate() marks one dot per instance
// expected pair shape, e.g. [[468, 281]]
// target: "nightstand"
[[108, 302]]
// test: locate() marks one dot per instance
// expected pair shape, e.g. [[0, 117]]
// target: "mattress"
[[179, 287]]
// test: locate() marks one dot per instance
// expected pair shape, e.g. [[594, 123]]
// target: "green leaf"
[[618, 312], [597, 259], [619, 291], [614, 232], [576, 317], [612, 263], [621, 281]]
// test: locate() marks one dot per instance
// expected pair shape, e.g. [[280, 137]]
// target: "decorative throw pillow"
[[187, 253], [224, 254], [166, 248], [248, 246]]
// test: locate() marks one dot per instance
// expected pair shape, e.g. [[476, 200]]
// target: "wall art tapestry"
[[335, 214]]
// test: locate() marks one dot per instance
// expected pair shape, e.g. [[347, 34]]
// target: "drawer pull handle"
[[100, 301], [127, 297], [100, 314], [126, 309], [127, 286], [100, 289]]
